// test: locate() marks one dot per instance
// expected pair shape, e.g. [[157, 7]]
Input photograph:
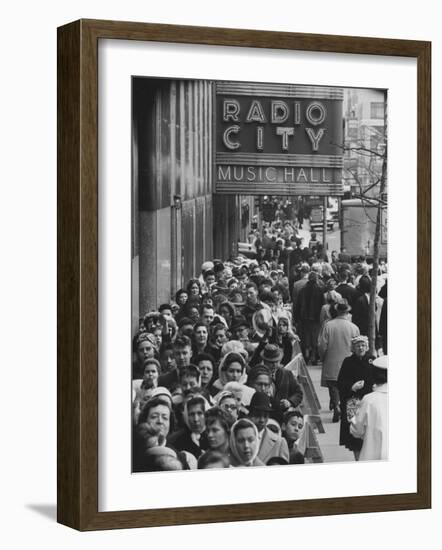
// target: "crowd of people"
[[214, 375]]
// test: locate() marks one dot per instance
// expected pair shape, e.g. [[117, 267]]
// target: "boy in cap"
[[271, 444], [288, 393]]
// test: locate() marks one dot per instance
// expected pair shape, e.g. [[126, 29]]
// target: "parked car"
[[317, 217], [248, 250]]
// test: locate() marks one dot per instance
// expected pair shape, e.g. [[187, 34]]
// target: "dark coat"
[[169, 380], [287, 387], [360, 314], [181, 441], [352, 370], [383, 323], [286, 344], [296, 457], [350, 293], [214, 351], [309, 303], [249, 310]]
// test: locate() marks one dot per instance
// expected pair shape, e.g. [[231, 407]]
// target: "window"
[[377, 109]]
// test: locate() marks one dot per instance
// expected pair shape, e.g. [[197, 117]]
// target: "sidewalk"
[[328, 441]]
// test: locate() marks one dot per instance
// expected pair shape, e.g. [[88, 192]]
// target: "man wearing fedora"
[[334, 344], [288, 393], [271, 444]]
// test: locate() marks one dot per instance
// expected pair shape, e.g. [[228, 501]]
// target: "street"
[[328, 441], [333, 237]]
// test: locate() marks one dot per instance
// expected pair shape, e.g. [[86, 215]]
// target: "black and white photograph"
[[259, 274]]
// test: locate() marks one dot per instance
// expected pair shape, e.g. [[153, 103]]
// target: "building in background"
[[365, 139], [202, 152]]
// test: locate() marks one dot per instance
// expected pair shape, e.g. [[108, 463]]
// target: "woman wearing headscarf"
[[144, 347], [285, 337], [355, 380], [232, 368], [244, 444]]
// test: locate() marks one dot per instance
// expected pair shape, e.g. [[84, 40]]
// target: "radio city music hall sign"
[[278, 139]]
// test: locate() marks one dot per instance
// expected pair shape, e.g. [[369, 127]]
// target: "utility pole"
[[377, 237], [324, 224]]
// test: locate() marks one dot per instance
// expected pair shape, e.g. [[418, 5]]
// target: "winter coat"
[[334, 345], [272, 444], [352, 370], [371, 424]]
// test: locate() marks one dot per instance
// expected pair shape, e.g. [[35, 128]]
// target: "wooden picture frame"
[[77, 224]]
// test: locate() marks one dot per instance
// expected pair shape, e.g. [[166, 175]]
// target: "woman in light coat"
[[371, 421]]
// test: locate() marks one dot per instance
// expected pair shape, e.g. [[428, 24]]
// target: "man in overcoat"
[[334, 345]]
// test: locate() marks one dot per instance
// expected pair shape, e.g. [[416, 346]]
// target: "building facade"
[[202, 151]]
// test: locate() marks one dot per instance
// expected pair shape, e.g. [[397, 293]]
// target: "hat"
[[261, 320], [260, 402], [381, 362], [232, 357], [162, 393], [153, 361], [239, 322], [223, 395], [146, 337], [236, 298], [342, 307], [206, 266], [272, 353], [360, 338]]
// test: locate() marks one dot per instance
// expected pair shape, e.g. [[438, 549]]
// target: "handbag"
[[353, 404]]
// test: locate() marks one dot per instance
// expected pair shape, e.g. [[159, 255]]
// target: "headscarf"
[[285, 316], [147, 336], [163, 393], [222, 394], [359, 338], [234, 449], [227, 360], [246, 391], [234, 346]]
